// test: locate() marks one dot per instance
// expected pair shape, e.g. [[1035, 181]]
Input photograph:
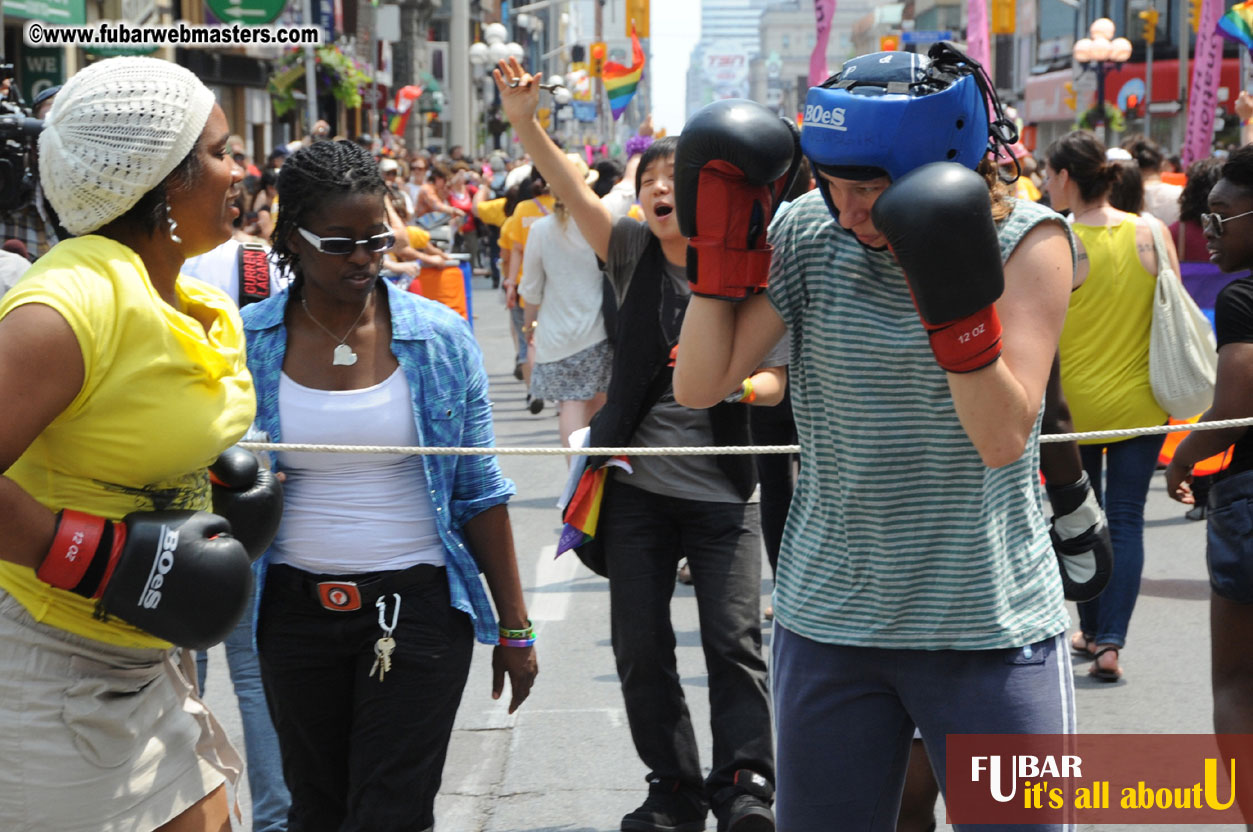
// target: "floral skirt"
[[576, 378]]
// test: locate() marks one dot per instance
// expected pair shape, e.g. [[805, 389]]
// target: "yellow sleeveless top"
[[164, 392], [1105, 341]]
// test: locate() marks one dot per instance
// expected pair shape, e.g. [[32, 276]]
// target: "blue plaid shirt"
[[444, 368]]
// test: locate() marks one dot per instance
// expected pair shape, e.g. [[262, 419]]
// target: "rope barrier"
[[693, 451]]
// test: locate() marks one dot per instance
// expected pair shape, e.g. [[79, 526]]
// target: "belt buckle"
[[339, 596]]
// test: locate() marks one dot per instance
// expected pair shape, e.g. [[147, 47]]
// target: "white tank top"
[[346, 513]]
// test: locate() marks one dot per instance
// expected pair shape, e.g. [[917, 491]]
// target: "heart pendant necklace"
[[343, 355]]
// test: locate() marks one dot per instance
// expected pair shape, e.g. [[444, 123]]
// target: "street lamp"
[[484, 56], [1101, 52]]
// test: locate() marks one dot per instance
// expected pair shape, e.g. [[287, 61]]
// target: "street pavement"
[[565, 763]]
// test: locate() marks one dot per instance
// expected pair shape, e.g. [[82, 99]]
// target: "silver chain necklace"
[[343, 355]]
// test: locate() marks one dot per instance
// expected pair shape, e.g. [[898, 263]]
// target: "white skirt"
[[99, 738]]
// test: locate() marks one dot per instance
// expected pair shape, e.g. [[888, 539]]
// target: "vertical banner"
[[977, 45], [1203, 95], [824, 10]]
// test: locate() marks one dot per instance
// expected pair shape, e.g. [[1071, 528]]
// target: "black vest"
[[646, 330]]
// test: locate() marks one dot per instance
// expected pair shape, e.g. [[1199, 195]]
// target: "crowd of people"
[[740, 283]]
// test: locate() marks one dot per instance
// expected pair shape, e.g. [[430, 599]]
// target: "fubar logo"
[[818, 116], [167, 542]]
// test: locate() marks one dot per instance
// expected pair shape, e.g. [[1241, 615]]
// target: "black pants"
[[359, 754], [774, 426], [645, 534]]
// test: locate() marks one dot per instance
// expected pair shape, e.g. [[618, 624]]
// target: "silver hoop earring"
[[173, 226]]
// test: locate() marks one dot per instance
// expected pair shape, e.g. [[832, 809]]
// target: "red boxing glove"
[[734, 161], [966, 345], [178, 575]]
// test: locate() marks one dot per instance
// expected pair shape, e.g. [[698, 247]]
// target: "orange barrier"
[[1205, 467], [446, 285]]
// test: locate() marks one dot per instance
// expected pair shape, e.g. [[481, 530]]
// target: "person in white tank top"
[[371, 598]]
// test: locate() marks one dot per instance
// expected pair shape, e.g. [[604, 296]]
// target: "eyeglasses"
[[1212, 224], [344, 246]]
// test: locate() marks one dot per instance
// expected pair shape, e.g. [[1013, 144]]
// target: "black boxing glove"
[[1081, 541], [249, 496], [734, 161], [178, 575], [938, 222]]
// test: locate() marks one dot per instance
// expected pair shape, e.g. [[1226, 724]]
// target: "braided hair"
[[311, 176]]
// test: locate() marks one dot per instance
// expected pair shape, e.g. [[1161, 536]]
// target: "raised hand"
[[519, 90]]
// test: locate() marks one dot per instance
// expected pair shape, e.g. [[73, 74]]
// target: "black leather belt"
[[348, 593]]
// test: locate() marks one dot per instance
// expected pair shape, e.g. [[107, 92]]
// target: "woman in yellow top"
[[121, 382], [1105, 374]]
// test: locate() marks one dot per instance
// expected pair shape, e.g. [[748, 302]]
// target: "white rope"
[[1111, 434], [692, 451]]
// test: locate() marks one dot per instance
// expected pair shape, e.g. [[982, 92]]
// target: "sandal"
[[1082, 645], [1105, 674]]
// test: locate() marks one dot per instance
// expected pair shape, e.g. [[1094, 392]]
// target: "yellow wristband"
[[747, 394]]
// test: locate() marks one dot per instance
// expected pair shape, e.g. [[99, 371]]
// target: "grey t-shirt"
[[670, 424]]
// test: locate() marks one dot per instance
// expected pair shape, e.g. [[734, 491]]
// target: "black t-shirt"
[[1233, 324]]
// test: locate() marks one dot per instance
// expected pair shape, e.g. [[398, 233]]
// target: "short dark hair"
[[1147, 153], [1126, 192], [663, 148], [314, 174], [1238, 169], [1203, 175], [1082, 155]]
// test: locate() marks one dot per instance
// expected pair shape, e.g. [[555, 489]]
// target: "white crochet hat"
[[115, 131]]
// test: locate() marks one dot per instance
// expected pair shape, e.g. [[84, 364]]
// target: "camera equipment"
[[19, 135]]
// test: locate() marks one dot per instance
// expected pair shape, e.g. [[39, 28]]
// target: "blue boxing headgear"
[[888, 113]]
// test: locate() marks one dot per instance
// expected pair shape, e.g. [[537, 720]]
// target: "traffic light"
[[1070, 100], [637, 14], [1149, 16], [597, 53], [1194, 14], [1004, 17]]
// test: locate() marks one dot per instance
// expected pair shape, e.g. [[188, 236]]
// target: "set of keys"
[[386, 644]]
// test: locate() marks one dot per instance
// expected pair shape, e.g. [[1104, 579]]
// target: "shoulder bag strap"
[[254, 274], [1159, 248]]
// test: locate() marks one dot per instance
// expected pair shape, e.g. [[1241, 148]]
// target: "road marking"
[[551, 596]]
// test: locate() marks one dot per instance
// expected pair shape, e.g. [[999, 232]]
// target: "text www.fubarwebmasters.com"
[[118, 33]]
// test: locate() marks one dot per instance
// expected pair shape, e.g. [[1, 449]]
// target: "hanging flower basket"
[[335, 72], [1114, 119]]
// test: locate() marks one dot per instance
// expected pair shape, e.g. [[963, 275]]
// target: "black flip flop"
[[1102, 674]]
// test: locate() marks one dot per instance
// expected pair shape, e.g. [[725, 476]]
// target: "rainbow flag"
[[1237, 24], [400, 110], [620, 81]]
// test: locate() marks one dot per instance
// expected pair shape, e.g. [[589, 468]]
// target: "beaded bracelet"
[[517, 642], [526, 632]]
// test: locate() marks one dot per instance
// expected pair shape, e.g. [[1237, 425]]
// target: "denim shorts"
[[1229, 538]]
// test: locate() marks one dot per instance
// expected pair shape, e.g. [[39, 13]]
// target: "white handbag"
[[1182, 358]]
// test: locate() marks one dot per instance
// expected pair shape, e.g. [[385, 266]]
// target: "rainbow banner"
[[1237, 24], [403, 106], [620, 81]]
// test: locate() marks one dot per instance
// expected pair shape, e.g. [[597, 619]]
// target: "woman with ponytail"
[[1105, 373]]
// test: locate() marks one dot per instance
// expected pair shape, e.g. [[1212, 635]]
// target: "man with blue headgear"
[[916, 584]]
